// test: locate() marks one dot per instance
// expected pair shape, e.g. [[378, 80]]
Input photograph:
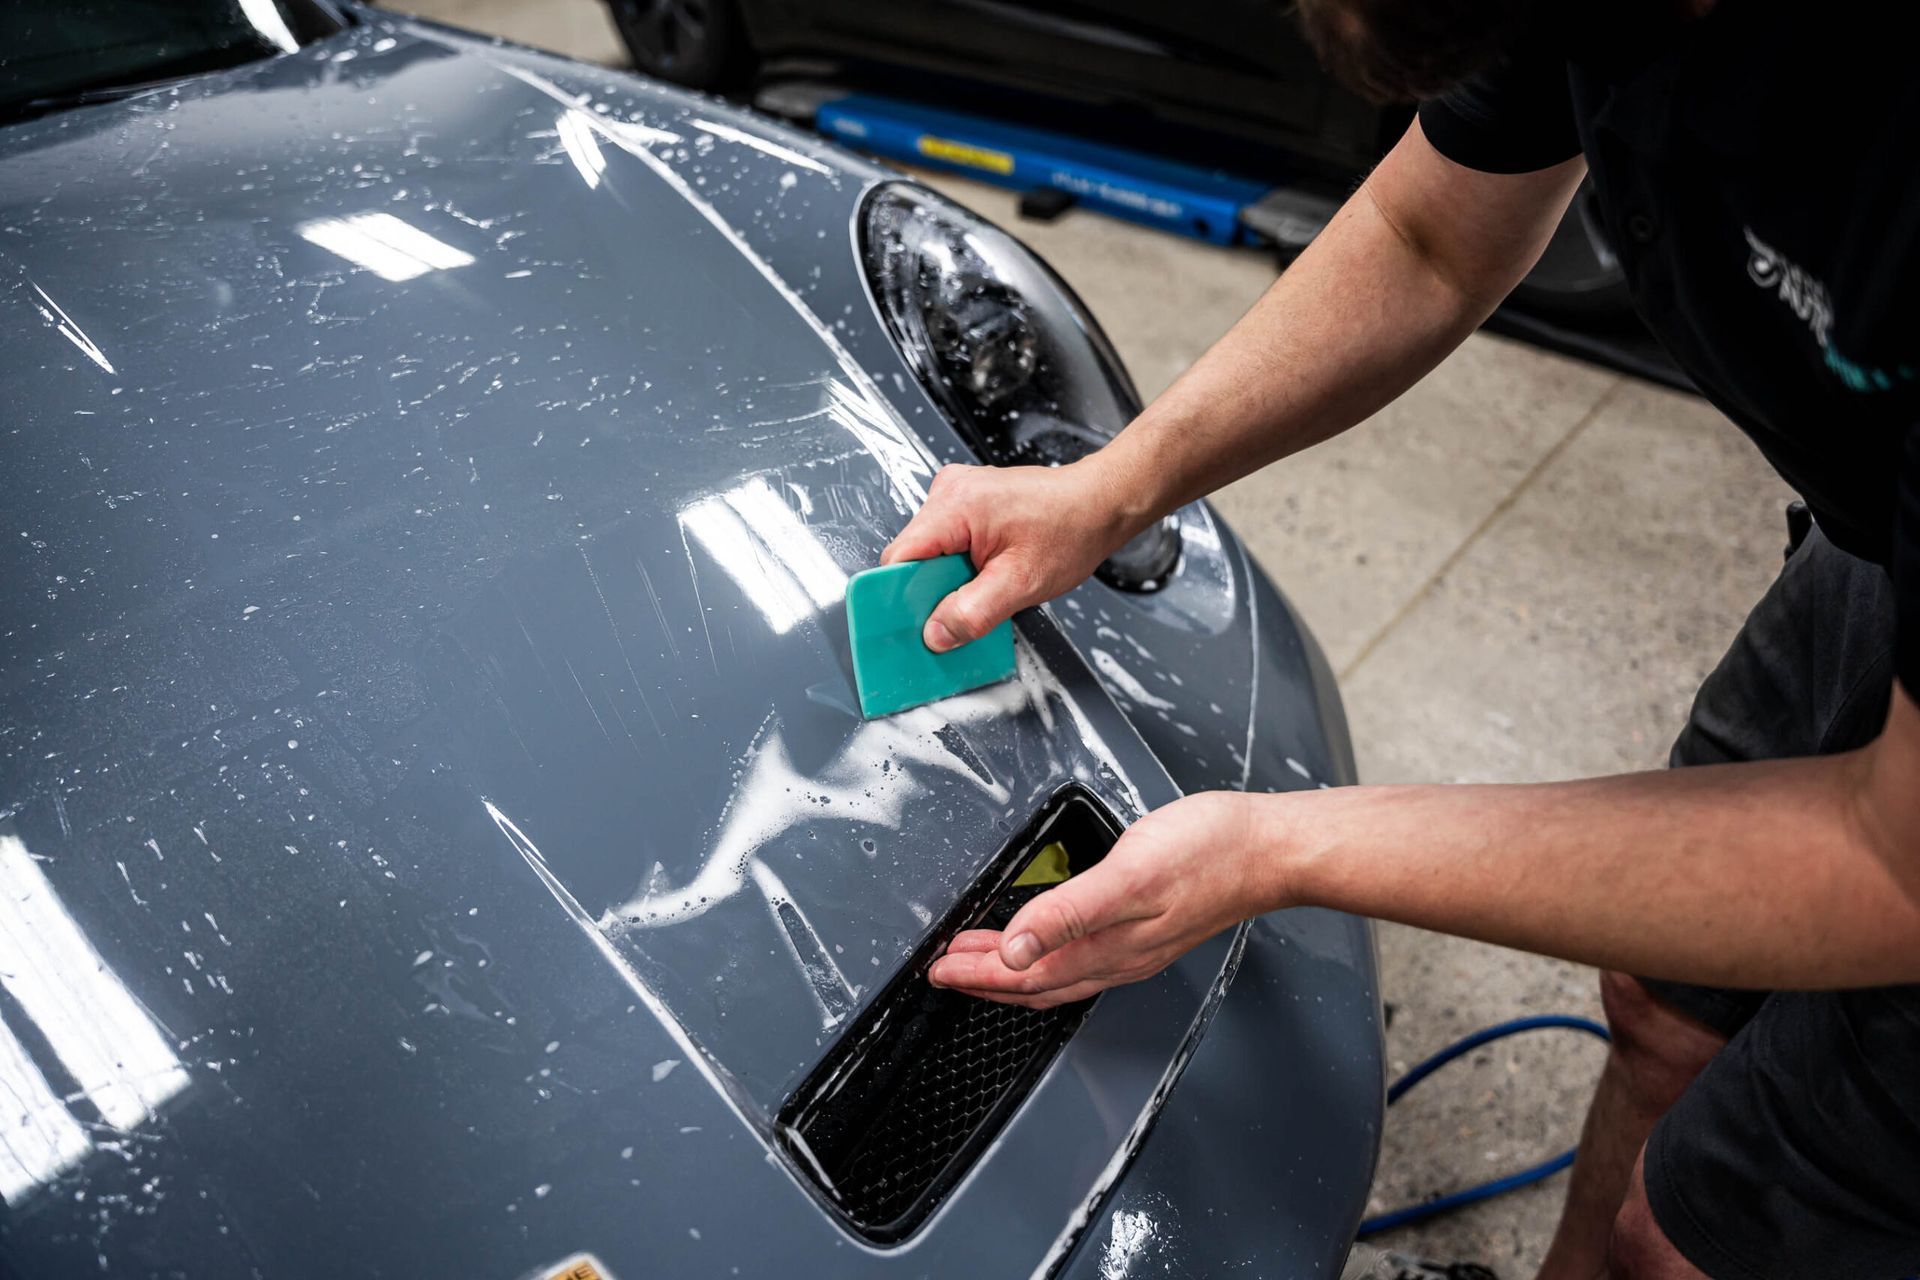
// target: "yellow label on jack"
[[964, 153]]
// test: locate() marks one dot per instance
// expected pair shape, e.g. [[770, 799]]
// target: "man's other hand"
[[1177, 877], [1032, 532]]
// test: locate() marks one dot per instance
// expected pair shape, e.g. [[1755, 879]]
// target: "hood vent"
[[913, 1095]]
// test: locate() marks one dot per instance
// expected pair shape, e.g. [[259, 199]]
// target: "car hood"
[[429, 743]]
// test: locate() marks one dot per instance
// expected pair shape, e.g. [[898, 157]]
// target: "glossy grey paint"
[[427, 699]]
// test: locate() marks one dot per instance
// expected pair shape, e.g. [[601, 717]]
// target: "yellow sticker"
[[1049, 866], [581, 1266], [964, 153]]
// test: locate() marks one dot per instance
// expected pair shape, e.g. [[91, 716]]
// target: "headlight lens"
[[1005, 348]]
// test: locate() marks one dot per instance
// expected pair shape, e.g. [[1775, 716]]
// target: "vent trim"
[[903, 1107]]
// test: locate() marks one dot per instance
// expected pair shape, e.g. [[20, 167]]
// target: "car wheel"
[[1579, 276], [697, 43]]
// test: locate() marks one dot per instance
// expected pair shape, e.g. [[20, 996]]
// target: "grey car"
[[437, 833]]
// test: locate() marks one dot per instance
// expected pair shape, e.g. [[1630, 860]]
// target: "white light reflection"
[[383, 244], [266, 18], [583, 148], [896, 451], [72, 332], [760, 144], [768, 515], [754, 536], [100, 1033], [38, 1139], [630, 135]]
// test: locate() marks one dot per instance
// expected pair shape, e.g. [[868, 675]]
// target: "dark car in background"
[[1230, 83]]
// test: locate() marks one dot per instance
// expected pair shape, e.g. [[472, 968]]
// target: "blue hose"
[[1496, 1186]]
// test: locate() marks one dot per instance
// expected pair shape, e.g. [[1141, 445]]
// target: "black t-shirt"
[[1758, 170]]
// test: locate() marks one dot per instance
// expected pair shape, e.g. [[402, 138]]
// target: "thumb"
[[978, 607], [1096, 899]]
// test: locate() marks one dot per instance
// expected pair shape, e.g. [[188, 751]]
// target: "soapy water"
[[1126, 682], [1131, 1236], [773, 797]]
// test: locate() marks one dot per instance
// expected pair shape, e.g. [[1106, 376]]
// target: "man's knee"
[[1638, 1249], [1659, 1049]]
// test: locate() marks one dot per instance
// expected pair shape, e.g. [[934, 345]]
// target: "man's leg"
[[1639, 1249], [1656, 1052], [1806, 675], [1792, 1155]]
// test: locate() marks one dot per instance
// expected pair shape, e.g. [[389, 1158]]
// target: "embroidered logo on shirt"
[[1769, 268], [1808, 300]]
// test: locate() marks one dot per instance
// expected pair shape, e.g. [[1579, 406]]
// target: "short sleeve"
[[1514, 118], [1906, 568]]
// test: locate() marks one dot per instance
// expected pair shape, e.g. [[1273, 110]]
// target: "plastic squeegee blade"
[[892, 667]]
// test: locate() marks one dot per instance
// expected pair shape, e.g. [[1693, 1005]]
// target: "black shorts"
[[1796, 1154]]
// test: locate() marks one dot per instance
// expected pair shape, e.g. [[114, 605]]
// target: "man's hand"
[[1177, 877], [1406, 270], [1033, 533]]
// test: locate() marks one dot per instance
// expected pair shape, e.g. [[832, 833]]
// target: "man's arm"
[[1410, 265], [1781, 874]]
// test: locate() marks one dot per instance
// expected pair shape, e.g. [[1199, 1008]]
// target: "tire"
[[697, 43], [1578, 277]]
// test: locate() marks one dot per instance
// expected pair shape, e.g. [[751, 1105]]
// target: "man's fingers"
[[1103, 960], [1096, 899], [968, 971], [981, 971], [991, 598], [974, 940]]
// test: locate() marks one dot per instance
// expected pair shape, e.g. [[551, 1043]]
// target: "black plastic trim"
[[865, 1072]]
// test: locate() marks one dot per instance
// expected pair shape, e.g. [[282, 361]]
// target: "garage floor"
[[1521, 570]]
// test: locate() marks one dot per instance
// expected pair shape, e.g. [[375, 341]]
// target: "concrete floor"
[[1520, 570]]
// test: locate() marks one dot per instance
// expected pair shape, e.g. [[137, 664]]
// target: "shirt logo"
[[1770, 269], [1807, 298]]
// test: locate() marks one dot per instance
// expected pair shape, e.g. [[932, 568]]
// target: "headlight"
[[1005, 348]]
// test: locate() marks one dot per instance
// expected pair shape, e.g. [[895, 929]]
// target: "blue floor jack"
[[1055, 171]]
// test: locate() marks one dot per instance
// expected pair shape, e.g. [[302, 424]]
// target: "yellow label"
[[1049, 866], [964, 153]]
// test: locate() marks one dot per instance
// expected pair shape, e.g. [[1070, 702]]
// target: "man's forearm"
[[1356, 320], [1750, 875], [1404, 272]]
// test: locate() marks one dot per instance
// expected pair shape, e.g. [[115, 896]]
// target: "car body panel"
[[1256, 1155], [427, 735]]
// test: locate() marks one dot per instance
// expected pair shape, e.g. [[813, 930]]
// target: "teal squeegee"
[[892, 666]]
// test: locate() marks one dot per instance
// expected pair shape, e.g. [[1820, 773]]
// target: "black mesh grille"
[[982, 1052], [900, 1111]]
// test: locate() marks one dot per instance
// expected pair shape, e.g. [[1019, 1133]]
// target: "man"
[[1759, 1114]]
